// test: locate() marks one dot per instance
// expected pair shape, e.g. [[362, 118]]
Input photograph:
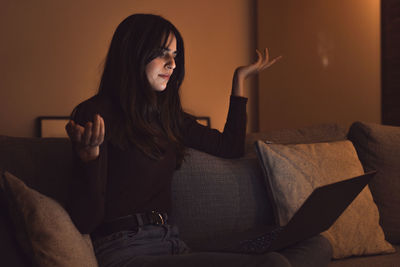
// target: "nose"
[[170, 64]]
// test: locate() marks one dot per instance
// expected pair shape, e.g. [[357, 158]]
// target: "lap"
[[155, 246]]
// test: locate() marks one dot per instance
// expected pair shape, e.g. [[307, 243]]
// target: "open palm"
[[261, 64]]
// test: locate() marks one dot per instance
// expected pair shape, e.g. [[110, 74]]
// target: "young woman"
[[131, 136]]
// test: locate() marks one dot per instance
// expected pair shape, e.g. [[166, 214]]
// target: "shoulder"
[[86, 110], [187, 116], [188, 120], [93, 103]]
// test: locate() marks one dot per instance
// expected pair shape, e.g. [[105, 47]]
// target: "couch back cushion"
[[213, 196], [44, 164], [327, 132]]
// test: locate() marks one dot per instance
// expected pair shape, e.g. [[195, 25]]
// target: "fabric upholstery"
[[327, 132], [44, 164], [214, 195], [378, 147], [388, 260], [293, 171], [43, 228], [10, 252]]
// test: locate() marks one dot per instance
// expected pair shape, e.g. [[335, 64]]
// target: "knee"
[[315, 251], [275, 259], [324, 248], [327, 247]]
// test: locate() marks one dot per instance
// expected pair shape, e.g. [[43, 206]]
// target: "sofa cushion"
[[378, 147], [327, 132], [388, 260], [293, 171], [44, 164], [212, 196], [43, 228]]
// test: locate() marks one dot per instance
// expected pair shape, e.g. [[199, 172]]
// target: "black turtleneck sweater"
[[126, 181]]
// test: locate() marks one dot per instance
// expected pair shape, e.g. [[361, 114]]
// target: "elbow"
[[238, 153], [233, 152], [88, 225], [233, 146], [86, 219]]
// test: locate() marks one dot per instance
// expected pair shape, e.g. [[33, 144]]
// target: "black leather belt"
[[130, 222]]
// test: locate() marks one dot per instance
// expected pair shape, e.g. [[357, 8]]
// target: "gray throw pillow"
[[378, 148]]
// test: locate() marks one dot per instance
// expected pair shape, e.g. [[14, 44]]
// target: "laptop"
[[324, 206]]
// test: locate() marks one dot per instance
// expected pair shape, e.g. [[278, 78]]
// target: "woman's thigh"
[[210, 259], [118, 248]]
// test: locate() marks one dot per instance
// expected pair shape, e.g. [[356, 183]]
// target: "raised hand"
[[262, 63], [87, 140], [243, 72]]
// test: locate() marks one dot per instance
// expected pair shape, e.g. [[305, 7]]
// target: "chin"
[[160, 89]]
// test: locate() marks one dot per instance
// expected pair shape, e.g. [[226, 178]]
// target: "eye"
[[166, 53]]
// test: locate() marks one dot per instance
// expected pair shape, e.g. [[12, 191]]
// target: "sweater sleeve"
[[86, 203], [229, 143]]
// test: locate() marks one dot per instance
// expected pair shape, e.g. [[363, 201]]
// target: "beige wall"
[[331, 66], [51, 54]]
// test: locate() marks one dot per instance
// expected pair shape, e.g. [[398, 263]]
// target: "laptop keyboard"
[[259, 244]]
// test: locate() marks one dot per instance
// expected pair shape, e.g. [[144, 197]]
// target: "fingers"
[[74, 131], [98, 131], [266, 53], [90, 135], [95, 129], [102, 130], [268, 64], [87, 134], [259, 57], [263, 60], [68, 128]]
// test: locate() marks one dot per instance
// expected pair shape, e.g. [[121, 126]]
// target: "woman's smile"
[[165, 76]]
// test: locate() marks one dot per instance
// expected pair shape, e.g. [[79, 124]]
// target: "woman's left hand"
[[243, 72], [261, 64]]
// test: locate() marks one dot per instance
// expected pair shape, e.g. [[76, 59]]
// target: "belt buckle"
[[158, 218]]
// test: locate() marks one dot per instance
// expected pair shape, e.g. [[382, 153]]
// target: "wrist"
[[88, 154]]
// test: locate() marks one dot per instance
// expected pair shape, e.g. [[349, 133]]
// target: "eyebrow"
[[169, 50]]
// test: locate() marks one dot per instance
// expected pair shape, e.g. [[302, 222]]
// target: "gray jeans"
[[159, 245]]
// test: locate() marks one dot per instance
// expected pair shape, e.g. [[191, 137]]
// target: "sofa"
[[211, 196]]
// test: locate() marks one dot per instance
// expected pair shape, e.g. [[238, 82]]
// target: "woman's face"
[[159, 70]]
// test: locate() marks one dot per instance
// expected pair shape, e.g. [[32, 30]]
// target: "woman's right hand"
[[87, 140]]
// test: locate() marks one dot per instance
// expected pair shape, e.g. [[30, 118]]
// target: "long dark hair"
[[137, 40]]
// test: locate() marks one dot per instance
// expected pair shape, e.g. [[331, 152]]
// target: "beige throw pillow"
[[44, 229], [294, 171]]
